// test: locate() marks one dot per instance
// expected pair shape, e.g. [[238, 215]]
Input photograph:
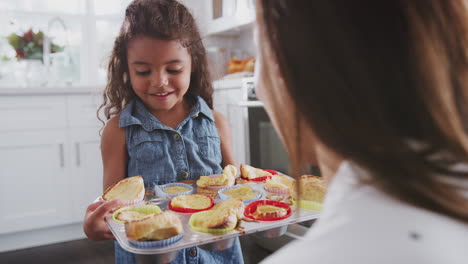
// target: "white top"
[[360, 224]]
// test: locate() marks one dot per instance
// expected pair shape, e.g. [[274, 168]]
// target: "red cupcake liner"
[[252, 207], [273, 172], [263, 178], [190, 210], [258, 179]]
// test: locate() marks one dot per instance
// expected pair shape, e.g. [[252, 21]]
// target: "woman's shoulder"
[[353, 225], [364, 241]]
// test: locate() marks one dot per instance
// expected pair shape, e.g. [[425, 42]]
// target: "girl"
[[158, 102], [377, 93]]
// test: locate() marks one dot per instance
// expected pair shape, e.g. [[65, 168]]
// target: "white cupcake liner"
[[156, 243], [159, 190], [280, 191]]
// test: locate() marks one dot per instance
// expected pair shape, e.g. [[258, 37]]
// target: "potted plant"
[[29, 48], [30, 45]]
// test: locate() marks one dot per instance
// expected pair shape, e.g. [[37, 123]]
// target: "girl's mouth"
[[161, 95]]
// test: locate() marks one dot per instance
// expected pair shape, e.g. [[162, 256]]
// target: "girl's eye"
[[171, 71], [142, 73]]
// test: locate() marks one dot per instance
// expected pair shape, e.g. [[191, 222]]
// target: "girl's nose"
[[159, 80]]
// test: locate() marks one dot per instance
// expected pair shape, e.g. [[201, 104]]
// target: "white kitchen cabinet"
[[85, 158], [226, 101], [50, 165], [239, 127], [32, 112], [81, 111], [86, 172], [226, 15], [220, 101], [34, 189]]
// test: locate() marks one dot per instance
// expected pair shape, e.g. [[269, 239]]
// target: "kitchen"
[[373, 93], [50, 137]]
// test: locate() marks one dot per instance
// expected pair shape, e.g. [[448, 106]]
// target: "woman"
[[374, 92]]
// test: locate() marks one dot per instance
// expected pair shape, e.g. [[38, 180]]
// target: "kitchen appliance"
[[265, 150], [264, 147]]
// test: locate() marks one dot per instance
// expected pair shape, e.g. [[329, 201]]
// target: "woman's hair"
[[382, 84], [164, 20]]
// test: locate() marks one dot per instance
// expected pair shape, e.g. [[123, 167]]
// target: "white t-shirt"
[[360, 224]]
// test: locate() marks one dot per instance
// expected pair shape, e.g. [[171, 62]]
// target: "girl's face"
[[159, 72]]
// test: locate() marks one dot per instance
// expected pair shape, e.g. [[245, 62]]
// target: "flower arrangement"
[[30, 45]]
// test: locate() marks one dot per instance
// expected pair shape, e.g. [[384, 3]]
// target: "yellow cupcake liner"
[[217, 231], [310, 205], [146, 209]]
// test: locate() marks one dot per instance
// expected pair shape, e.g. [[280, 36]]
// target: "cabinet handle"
[[78, 158], [62, 155]]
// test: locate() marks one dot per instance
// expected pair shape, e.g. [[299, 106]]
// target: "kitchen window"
[[83, 29]]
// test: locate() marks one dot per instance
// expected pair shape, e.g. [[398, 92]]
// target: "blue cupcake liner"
[[156, 244], [159, 190], [225, 197]]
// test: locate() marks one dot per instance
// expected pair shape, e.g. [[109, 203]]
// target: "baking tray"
[[267, 229]]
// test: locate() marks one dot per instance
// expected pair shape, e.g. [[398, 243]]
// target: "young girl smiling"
[[158, 102]]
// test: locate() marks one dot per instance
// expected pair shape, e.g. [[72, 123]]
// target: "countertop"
[[58, 90]]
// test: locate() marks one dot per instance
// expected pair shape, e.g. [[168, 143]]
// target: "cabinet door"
[[82, 110], [34, 189], [237, 117], [220, 101], [224, 15], [32, 112], [86, 169]]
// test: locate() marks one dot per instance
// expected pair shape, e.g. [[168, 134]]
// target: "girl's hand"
[[94, 224]]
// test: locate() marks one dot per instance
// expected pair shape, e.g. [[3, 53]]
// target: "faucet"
[[47, 43]]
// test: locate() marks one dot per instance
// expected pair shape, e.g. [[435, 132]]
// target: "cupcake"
[[210, 185], [191, 203], [131, 189], [254, 174], [243, 192], [223, 217], [269, 211], [266, 210], [312, 192], [157, 230], [219, 181], [170, 190], [279, 184], [131, 213]]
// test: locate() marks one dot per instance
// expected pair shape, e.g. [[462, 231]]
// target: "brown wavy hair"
[[164, 20], [382, 84]]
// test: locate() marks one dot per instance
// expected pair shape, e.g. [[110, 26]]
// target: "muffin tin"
[[267, 229]]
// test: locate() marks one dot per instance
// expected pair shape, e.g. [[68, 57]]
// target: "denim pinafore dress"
[[161, 155]]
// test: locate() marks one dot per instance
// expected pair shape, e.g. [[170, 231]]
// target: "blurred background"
[[51, 43]]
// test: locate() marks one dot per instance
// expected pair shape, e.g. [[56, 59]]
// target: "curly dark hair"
[[164, 20]]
